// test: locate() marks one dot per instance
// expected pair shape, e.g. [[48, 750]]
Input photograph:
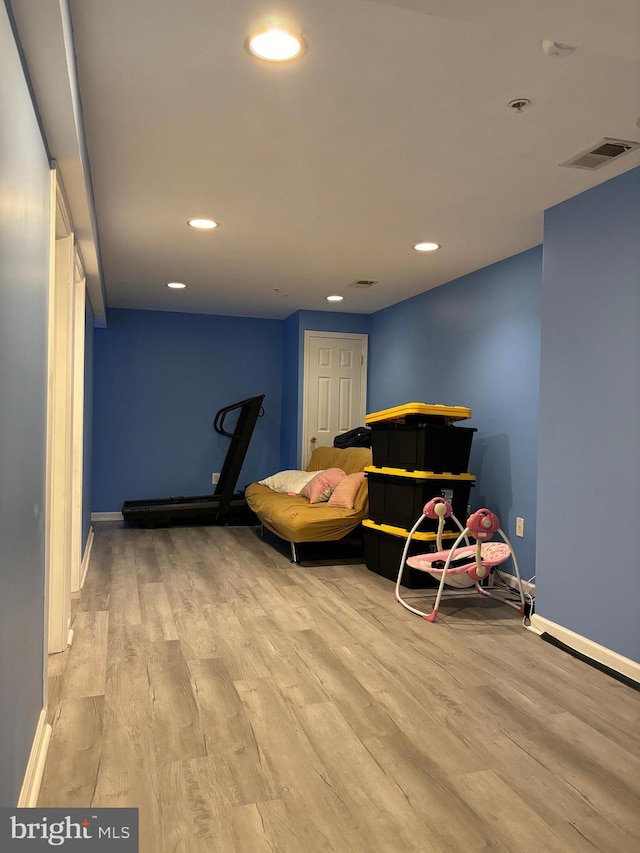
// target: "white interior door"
[[335, 387], [59, 445]]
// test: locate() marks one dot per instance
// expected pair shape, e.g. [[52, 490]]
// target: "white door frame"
[[59, 425], [308, 336], [53, 204], [77, 427]]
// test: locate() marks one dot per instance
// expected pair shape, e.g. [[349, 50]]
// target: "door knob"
[[313, 439]]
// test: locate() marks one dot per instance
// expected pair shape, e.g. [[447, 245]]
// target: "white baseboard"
[[30, 791], [601, 654], [84, 567], [106, 516]]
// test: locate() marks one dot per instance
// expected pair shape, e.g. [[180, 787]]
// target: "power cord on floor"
[[529, 598], [529, 602]]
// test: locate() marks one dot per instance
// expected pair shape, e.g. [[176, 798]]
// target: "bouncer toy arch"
[[461, 567]]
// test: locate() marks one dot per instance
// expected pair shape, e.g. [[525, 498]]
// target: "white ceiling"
[[392, 128]]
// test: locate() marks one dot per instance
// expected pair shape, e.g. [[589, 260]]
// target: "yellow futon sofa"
[[293, 518]]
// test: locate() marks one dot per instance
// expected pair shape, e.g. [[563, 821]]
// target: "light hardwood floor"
[[246, 704]]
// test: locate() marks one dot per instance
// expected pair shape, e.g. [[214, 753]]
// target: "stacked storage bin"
[[417, 455]]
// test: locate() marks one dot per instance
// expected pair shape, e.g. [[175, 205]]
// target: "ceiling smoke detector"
[[519, 105]]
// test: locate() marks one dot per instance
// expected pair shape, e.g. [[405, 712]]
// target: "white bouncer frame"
[[464, 534]]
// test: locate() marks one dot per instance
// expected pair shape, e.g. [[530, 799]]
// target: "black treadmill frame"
[[220, 507]]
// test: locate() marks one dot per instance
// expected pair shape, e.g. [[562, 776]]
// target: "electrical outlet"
[[519, 526], [215, 478]]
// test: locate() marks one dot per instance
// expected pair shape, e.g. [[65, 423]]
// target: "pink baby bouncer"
[[462, 567]]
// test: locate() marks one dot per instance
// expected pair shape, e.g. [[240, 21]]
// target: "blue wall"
[[291, 358], [159, 380], [474, 342], [88, 423], [589, 469], [25, 182]]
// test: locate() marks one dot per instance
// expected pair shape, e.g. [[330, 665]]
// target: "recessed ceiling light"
[[275, 45], [335, 298], [176, 285], [426, 247], [203, 224]]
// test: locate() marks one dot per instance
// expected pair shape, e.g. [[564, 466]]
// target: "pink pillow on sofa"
[[345, 493], [320, 488]]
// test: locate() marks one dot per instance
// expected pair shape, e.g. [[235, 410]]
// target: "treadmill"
[[225, 505]]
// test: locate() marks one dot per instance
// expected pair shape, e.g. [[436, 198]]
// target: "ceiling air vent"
[[362, 283], [602, 153]]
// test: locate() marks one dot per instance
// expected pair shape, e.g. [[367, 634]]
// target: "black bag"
[[358, 437]]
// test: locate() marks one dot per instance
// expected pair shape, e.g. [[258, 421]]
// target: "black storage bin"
[[398, 497], [383, 547], [422, 446]]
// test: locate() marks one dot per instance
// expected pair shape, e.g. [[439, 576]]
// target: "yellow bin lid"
[[401, 532], [397, 414], [420, 475]]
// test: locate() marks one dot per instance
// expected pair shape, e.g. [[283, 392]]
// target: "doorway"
[[334, 389], [64, 424]]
